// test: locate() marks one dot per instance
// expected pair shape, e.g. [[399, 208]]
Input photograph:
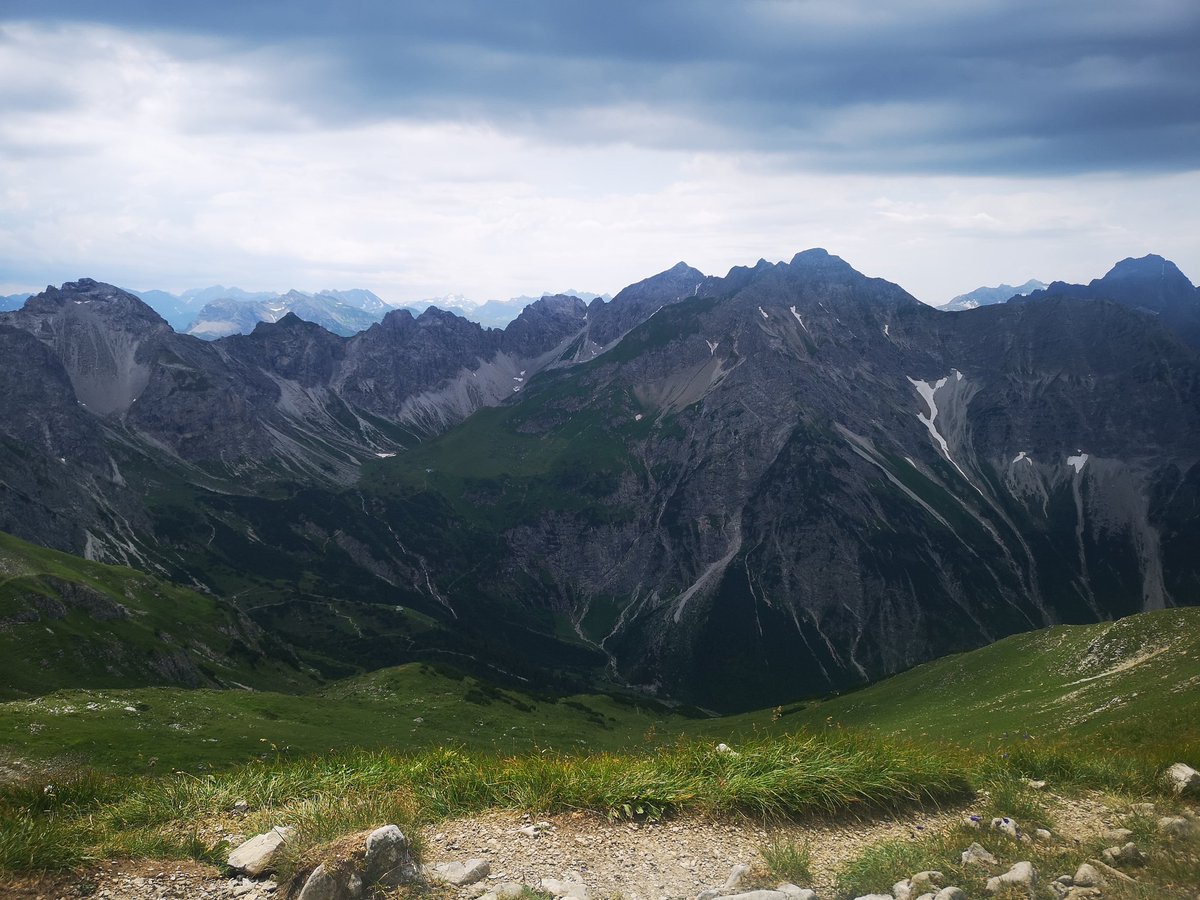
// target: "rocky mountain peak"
[[1149, 268], [100, 298]]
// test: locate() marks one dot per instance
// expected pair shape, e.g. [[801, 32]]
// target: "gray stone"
[[976, 855], [1116, 836], [331, 884], [1175, 827], [1087, 876], [572, 888], [1128, 855], [875, 897], [506, 890], [258, 855], [388, 860], [950, 893], [1182, 779], [1022, 874], [462, 873], [1043, 836], [796, 892], [758, 895], [903, 890]]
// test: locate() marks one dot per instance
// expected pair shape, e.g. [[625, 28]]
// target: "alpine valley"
[[729, 491]]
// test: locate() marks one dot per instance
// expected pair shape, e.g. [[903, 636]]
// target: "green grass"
[[69, 622], [79, 816], [1133, 684], [788, 861]]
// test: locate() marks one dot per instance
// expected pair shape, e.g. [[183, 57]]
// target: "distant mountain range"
[[727, 490], [987, 296]]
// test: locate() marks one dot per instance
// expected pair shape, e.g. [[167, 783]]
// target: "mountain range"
[[986, 296], [728, 490]]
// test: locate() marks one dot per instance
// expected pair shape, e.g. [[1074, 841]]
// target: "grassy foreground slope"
[[1129, 684], [69, 622]]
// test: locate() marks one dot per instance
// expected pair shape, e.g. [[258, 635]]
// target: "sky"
[[493, 149]]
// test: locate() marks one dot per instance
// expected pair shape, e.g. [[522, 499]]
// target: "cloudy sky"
[[497, 148]]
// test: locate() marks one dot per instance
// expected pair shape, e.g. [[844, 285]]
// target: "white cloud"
[[155, 163]]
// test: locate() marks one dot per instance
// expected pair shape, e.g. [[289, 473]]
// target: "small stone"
[[950, 893], [1087, 876], [462, 873], [1129, 855], [1182, 779], [1022, 874], [1043, 836], [875, 897], [757, 895], [1116, 836], [1005, 825], [258, 855], [976, 855], [1035, 784], [1175, 827]]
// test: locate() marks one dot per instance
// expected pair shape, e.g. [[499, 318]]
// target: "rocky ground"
[[582, 856]]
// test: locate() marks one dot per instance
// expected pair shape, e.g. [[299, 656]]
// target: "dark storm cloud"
[[984, 87]]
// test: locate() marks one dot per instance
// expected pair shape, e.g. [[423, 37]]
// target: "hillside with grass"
[[1066, 729], [66, 622]]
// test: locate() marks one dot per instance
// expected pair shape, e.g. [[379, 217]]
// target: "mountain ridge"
[[681, 489]]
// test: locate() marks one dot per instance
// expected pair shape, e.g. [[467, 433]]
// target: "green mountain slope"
[[66, 622], [1130, 683]]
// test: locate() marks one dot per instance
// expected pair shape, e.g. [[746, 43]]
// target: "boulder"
[[1022, 874], [258, 855], [796, 893], [1182, 779], [926, 882], [332, 883], [388, 859], [950, 893]]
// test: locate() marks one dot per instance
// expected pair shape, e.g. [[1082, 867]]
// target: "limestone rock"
[[1005, 825], [977, 855], [1183, 779], [461, 873], [1022, 874], [257, 856], [1087, 876], [1116, 836], [329, 883], [950, 893], [795, 892], [388, 859], [572, 888]]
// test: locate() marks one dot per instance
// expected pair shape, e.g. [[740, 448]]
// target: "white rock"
[[324, 884], [758, 895], [925, 882], [903, 890], [1022, 874], [1182, 778], [462, 873], [875, 897], [258, 855], [1006, 825], [950, 893], [1129, 855], [976, 855], [795, 892], [1044, 836]]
